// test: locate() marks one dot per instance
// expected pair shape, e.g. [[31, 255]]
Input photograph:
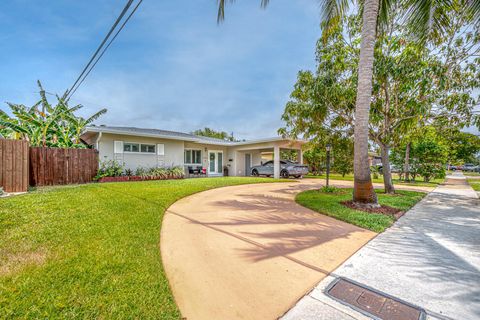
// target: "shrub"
[[110, 168], [160, 173], [329, 189], [375, 171]]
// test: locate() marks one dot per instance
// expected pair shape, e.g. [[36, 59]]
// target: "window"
[[138, 147], [149, 148], [193, 156], [131, 147]]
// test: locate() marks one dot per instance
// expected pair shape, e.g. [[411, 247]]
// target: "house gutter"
[[97, 141]]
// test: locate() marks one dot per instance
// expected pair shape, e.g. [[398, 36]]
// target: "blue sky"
[[172, 67]]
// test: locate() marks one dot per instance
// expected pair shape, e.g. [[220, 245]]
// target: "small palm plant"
[[44, 124]]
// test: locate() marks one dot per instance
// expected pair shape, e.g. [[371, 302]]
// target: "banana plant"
[[44, 124]]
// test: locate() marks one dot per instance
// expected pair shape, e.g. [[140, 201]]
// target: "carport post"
[[276, 162], [300, 156]]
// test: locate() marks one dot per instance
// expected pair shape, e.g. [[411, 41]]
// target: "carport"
[[245, 155]]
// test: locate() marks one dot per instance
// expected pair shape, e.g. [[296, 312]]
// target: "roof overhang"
[[137, 134], [98, 129]]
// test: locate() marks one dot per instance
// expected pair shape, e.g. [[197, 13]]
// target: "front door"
[[215, 162], [248, 164]]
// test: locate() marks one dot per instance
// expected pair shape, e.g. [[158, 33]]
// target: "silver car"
[[287, 169]]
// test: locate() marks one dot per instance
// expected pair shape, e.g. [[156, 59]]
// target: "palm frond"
[[43, 98], [13, 126], [221, 8], [474, 7], [384, 12], [427, 16], [95, 116], [331, 14]]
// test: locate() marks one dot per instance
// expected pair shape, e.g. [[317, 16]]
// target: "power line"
[[117, 21], [106, 47]]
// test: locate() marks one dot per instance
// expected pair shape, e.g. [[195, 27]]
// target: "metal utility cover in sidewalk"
[[372, 302]]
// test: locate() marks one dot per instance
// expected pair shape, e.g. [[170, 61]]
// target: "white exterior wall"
[[174, 152], [173, 155], [205, 148]]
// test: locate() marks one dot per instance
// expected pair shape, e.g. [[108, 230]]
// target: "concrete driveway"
[[429, 258], [250, 252]]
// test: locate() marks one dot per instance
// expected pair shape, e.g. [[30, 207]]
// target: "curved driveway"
[[250, 252]]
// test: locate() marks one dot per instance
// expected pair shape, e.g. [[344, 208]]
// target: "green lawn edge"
[[349, 177], [474, 183], [91, 251], [329, 204]]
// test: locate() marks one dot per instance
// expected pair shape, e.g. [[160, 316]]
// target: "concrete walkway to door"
[[250, 252]]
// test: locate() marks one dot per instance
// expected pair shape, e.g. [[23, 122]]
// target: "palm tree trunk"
[[363, 189], [386, 171]]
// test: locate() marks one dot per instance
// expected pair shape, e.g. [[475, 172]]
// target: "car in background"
[[393, 168], [470, 167], [455, 168], [287, 169]]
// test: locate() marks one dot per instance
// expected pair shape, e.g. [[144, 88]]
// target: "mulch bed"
[[385, 210], [135, 178]]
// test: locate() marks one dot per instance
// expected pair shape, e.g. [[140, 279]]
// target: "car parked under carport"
[[287, 169]]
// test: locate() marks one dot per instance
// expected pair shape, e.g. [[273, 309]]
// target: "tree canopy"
[[414, 85], [207, 132]]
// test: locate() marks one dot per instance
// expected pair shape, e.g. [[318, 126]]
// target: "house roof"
[[173, 135]]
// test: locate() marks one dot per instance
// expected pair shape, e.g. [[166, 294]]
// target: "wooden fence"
[[14, 165], [55, 166]]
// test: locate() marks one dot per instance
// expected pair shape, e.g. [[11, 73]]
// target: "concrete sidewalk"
[[429, 258]]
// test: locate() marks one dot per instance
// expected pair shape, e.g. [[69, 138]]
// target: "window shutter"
[[160, 149], [118, 147]]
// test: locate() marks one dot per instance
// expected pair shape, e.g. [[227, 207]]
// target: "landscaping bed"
[[333, 204], [138, 178], [385, 210], [91, 251]]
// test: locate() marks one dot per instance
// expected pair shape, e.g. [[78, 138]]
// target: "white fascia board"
[[137, 134]]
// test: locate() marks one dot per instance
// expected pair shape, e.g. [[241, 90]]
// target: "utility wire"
[[120, 17], [106, 47]]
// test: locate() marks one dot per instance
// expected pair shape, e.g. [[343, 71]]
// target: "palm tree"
[[423, 16]]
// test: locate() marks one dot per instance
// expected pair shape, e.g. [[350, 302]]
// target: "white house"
[[138, 147]]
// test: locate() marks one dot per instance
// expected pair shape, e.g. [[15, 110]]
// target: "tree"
[[428, 154], [44, 124], [423, 16], [342, 149], [341, 154], [207, 132], [414, 86], [463, 147]]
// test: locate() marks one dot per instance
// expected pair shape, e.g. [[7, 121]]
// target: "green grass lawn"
[[329, 204], [474, 183], [472, 174], [90, 251], [349, 177]]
